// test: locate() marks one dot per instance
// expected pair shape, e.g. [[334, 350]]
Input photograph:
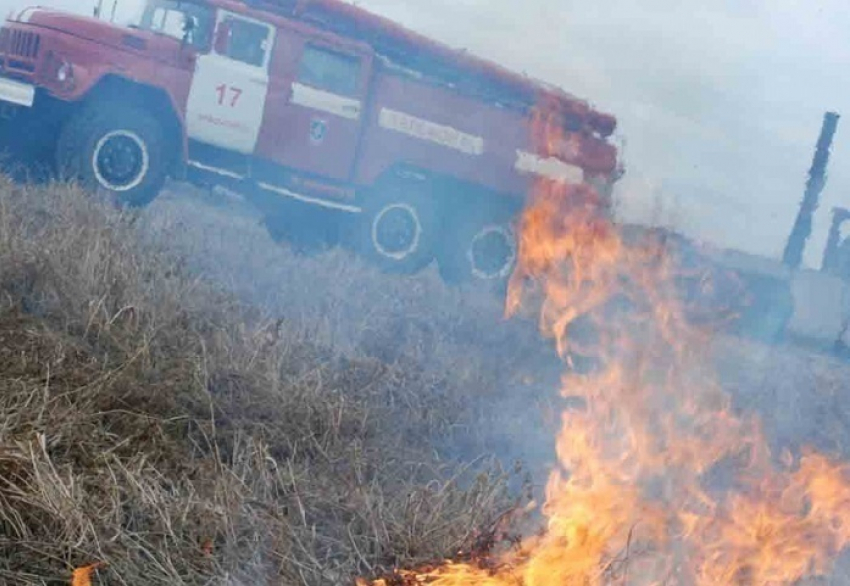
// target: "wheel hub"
[[120, 160], [492, 253], [396, 231]]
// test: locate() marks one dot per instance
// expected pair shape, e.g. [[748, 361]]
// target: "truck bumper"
[[16, 92]]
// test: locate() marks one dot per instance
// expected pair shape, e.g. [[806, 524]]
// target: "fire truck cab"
[[336, 123]]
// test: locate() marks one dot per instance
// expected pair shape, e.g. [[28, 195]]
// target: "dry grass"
[[499, 372], [192, 404], [155, 423]]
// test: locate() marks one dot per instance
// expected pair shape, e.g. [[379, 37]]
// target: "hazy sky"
[[719, 106]]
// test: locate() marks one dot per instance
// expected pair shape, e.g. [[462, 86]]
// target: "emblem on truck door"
[[318, 130]]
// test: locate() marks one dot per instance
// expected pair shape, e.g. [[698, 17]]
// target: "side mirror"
[[189, 26], [222, 37]]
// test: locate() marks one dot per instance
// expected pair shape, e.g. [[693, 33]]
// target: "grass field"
[[191, 403]]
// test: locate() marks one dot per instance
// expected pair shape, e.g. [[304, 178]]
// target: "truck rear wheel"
[[482, 250], [396, 229], [118, 149]]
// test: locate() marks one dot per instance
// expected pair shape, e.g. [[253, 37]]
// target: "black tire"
[[478, 249], [119, 149], [397, 228]]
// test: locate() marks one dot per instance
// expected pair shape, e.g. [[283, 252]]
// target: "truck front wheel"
[[117, 149]]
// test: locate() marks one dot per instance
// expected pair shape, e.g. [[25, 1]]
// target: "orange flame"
[[635, 498], [82, 576]]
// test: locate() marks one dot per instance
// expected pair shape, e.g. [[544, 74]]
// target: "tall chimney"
[[793, 255]]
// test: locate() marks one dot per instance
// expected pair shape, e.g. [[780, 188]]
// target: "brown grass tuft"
[[157, 426]]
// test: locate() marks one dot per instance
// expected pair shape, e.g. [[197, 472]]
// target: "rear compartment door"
[[229, 88], [316, 106]]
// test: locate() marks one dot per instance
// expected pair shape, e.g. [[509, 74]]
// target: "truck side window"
[[169, 22], [328, 70], [247, 41], [171, 17]]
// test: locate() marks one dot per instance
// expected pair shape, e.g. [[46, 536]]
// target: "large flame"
[[658, 481]]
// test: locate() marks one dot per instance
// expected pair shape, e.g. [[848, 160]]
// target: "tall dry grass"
[[191, 403], [152, 420]]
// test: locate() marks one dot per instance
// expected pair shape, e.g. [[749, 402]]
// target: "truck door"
[[228, 93], [316, 106]]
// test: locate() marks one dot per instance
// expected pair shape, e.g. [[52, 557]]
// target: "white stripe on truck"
[[426, 130], [311, 200], [551, 168], [309, 97], [27, 13]]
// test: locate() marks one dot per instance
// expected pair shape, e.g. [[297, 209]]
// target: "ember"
[[659, 481], [83, 576]]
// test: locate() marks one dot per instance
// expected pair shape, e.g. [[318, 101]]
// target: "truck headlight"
[[59, 72], [65, 73]]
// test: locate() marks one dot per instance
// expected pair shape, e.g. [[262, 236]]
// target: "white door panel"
[[228, 97]]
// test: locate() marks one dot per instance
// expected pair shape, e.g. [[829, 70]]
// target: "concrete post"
[[793, 255]]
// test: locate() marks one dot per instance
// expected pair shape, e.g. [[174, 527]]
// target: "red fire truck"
[[421, 152]]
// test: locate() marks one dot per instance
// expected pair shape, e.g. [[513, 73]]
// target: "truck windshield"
[[181, 20]]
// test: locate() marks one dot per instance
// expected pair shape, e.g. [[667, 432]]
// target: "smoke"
[[719, 138], [502, 376], [500, 371], [720, 104]]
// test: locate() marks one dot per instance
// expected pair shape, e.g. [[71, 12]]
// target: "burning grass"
[[159, 429], [660, 479]]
